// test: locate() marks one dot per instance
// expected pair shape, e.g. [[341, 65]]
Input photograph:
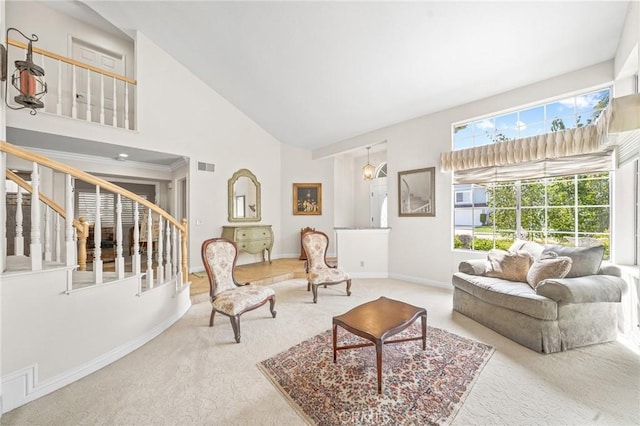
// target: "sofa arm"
[[473, 266], [610, 270], [587, 289]]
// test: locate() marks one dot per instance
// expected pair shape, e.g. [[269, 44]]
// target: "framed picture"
[[307, 198], [417, 192]]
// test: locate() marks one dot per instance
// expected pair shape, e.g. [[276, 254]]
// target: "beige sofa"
[[559, 314]]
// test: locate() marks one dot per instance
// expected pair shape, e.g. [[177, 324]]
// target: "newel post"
[[83, 234]]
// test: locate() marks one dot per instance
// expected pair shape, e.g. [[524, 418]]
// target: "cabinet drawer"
[[252, 234], [254, 246]]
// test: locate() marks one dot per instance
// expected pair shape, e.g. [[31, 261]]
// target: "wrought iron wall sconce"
[[28, 78]]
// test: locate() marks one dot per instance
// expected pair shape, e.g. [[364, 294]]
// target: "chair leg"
[[235, 323], [315, 293], [348, 287], [272, 304], [213, 312]]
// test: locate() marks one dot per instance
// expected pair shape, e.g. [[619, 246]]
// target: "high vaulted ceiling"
[[315, 73]]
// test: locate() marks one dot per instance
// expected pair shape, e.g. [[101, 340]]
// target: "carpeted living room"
[[321, 213], [193, 374]]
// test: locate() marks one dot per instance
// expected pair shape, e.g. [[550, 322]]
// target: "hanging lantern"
[[368, 170], [28, 79]]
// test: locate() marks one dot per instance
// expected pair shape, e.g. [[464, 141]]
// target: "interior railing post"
[[126, 105], [160, 252], [18, 240], [119, 258], [82, 235], [74, 93], [47, 234], [179, 266], [56, 232], [167, 252], [89, 112], [174, 253], [135, 258], [97, 241], [115, 106], [59, 103], [149, 232], [185, 267], [35, 248], [70, 249], [101, 98]]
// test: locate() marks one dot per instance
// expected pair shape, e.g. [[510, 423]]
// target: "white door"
[[92, 55]]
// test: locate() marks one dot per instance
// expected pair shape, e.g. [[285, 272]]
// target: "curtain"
[[566, 143]]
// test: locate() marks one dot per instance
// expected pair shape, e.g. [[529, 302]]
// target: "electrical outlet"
[[362, 263]]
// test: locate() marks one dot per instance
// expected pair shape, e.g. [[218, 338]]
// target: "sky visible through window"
[[576, 111]]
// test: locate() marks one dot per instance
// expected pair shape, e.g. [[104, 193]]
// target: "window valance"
[[566, 143]]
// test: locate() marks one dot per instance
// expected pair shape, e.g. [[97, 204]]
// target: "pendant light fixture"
[[368, 169], [28, 78]]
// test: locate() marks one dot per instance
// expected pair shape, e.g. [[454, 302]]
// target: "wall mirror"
[[417, 192], [244, 197]]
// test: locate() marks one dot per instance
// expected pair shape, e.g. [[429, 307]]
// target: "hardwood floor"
[[257, 273]]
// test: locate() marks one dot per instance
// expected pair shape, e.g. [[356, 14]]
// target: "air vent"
[[206, 167]]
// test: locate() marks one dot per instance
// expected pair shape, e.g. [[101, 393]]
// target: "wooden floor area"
[[263, 273]]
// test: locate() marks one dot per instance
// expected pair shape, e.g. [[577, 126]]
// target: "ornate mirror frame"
[[237, 175]]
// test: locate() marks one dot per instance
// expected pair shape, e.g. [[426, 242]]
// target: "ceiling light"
[[28, 78], [122, 156], [368, 169]]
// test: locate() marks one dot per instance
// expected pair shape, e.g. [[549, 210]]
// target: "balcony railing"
[[81, 91]]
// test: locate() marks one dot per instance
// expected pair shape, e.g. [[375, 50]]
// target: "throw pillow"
[[548, 265], [512, 266], [585, 260], [531, 246]]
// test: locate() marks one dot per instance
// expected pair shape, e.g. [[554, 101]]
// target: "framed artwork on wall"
[[307, 198], [417, 192]]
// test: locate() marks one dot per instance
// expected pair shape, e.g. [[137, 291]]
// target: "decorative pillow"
[[531, 246], [548, 265], [585, 260], [512, 266]]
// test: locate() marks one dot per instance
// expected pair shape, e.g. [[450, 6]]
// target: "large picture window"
[[565, 204], [568, 210]]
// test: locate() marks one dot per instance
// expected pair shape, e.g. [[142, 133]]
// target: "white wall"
[[298, 167], [420, 248]]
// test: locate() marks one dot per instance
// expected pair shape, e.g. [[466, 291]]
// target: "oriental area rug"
[[418, 387]]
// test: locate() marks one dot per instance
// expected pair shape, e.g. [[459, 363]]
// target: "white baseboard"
[[22, 386], [432, 283], [368, 274]]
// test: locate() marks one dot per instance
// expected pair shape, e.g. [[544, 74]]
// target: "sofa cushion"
[[516, 296], [584, 260], [531, 246], [508, 265], [548, 265]]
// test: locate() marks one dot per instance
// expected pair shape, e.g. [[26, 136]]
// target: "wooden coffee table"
[[377, 321]]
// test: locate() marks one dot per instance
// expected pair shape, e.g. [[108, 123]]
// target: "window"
[[567, 113], [571, 210], [568, 210]]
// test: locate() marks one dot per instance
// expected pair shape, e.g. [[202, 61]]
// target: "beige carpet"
[[193, 374]]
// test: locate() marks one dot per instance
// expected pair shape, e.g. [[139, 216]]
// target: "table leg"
[[335, 336], [379, 364], [424, 332]]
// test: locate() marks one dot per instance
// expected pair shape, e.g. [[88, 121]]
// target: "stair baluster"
[[160, 252], [174, 262], [35, 251], [3, 213], [47, 234], [119, 258], [18, 240], [149, 231], [167, 251], [70, 249], [56, 231], [97, 241], [135, 259]]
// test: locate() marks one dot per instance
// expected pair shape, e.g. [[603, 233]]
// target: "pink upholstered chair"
[[319, 272], [228, 297]]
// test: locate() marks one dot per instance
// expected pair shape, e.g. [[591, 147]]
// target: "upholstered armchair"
[[228, 297], [319, 272]]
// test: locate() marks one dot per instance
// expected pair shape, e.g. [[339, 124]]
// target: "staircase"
[[70, 303]]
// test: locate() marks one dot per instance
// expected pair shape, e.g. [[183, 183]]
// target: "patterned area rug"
[[418, 387]]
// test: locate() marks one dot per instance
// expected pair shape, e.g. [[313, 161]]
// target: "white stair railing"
[[170, 234]]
